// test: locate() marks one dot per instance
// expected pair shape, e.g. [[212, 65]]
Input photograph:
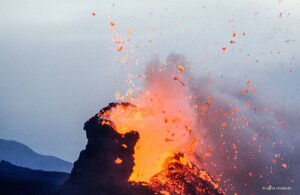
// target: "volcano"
[[107, 164]]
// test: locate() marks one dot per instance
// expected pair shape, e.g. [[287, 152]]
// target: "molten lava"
[[145, 146], [163, 117], [158, 163], [158, 138], [179, 176], [118, 160]]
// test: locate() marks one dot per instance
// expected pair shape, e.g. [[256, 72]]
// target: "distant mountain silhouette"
[[21, 155], [20, 180]]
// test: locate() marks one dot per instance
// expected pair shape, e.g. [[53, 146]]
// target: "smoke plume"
[[246, 143]]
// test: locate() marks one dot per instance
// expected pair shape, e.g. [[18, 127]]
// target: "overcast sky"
[[58, 64]]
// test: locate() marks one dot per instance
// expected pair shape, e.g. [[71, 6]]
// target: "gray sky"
[[58, 64]]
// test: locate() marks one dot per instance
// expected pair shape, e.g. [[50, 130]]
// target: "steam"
[[244, 142]]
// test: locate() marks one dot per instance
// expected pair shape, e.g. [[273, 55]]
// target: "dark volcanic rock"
[[96, 171], [182, 177]]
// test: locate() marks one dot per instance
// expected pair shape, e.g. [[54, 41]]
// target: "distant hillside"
[[19, 180], [21, 155]]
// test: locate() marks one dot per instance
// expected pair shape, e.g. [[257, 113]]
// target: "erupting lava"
[[111, 164], [157, 163], [162, 116], [158, 138], [143, 147]]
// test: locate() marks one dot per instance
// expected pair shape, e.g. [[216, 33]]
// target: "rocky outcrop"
[[179, 176], [107, 162]]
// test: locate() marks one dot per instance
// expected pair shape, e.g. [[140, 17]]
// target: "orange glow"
[[164, 118], [118, 95], [120, 49], [130, 31], [206, 177], [176, 79], [224, 124], [180, 68], [158, 139], [118, 161], [235, 111]]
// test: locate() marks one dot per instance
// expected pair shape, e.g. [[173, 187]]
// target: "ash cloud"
[[245, 140]]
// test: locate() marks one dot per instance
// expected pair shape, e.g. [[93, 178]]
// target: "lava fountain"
[[144, 146], [162, 115]]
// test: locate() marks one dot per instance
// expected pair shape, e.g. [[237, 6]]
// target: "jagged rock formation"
[[182, 177], [107, 162], [98, 169]]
